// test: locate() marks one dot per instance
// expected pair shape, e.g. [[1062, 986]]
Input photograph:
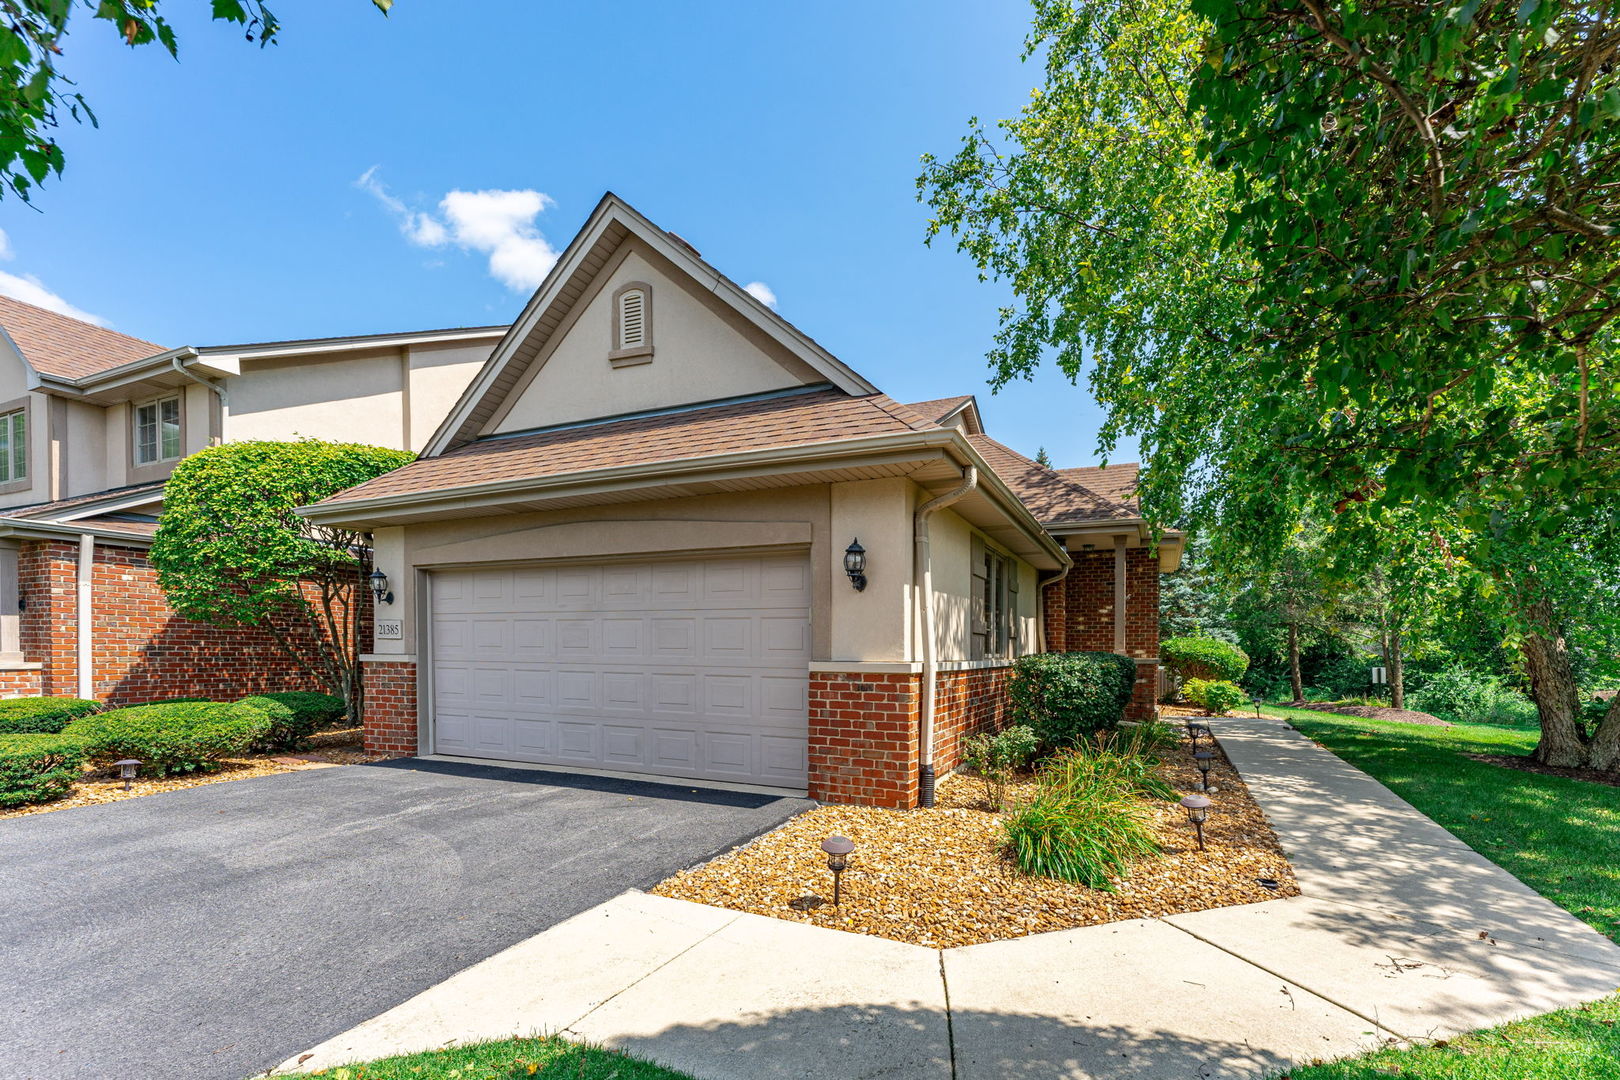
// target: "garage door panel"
[[687, 668]]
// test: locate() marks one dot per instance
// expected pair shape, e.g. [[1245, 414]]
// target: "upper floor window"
[[14, 446], [632, 323], [157, 431]]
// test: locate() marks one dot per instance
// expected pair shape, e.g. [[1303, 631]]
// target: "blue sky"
[[218, 202]]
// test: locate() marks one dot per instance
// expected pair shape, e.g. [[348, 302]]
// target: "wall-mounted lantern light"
[[1197, 807], [855, 565], [126, 770], [22, 600], [379, 587], [838, 849]]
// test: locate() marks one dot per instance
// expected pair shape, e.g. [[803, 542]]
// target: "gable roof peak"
[[609, 225]]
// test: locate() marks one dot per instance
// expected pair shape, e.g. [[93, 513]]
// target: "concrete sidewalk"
[[1403, 933]]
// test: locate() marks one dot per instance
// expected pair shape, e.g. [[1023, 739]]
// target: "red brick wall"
[[390, 707], [19, 684], [142, 649], [863, 738], [966, 703], [1079, 614]]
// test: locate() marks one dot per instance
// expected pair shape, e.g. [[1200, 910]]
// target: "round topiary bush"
[[1203, 658], [42, 715], [37, 768], [1068, 696], [174, 738]]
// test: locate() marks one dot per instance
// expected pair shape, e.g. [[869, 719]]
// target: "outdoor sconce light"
[[22, 600], [379, 587], [1204, 759], [1197, 807], [855, 565], [838, 849], [126, 770]]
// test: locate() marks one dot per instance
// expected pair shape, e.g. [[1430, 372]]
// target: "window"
[[632, 324], [14, 446], [157, 431], [995, 603]]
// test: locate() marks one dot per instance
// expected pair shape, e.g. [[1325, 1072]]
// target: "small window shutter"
[[1014, 623], [979, 606], [632, 319]]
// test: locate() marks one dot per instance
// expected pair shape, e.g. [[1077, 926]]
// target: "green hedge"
[[1215, 695], [38, 767], [42, 715], [1203, 658], [295, 716], [1068, 696], [176, 737]]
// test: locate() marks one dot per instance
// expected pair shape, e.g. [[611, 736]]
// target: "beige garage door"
[[693, 668]]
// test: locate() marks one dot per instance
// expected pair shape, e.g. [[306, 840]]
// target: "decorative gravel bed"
[[937, 877], [327, 749]]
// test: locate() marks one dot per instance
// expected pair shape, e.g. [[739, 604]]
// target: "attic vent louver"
[[632, 319]]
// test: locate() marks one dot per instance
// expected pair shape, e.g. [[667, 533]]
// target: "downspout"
[[85, 630], [178, 363], [1040, 599], [925, 597]]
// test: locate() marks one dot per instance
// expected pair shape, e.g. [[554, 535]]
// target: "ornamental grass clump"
[[174, 738], [37, 767], [42, 715], [1088, 820]]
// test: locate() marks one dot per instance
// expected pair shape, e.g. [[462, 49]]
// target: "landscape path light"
[[838, 849], [1197, 807], [1204, 759], [126, 770]]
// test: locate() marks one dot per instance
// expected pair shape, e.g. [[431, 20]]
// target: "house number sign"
[[390, 629]]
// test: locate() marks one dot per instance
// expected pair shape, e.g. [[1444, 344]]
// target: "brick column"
[[389, 713], [863, 737]]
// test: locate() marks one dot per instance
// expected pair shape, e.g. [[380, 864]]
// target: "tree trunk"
[[1552, 685], [1604, 750], [1294, 679], [1397, 670]]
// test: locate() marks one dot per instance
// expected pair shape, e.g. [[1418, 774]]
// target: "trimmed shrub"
[[42, 715], [1086, 824], [174, 738], [1068, 696], [1215, 695], [37, 767], [295, 716], [997, 757], [1203, 658]]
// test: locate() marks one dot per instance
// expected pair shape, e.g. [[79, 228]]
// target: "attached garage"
[[676, 667]]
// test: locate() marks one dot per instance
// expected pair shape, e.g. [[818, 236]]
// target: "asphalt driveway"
[[214, 932]]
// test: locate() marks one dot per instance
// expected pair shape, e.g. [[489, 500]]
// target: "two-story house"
[[91, 424], [653, 527]]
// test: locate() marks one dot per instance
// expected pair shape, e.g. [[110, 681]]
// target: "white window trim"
[[135, 431]]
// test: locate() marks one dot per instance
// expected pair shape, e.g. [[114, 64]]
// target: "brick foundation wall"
[[966, 703], [19, 684], [390, 707], [863, 738], [142, 650]]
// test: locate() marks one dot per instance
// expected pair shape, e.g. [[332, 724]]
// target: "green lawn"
[[1560, 837], [507, 1059], [1582, 1043]]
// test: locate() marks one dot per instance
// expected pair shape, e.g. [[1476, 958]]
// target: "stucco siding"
[[354, 398], [698, 355], [438, 375]]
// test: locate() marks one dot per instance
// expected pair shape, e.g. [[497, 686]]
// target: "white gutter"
[[924, 570], [85, 630], [219, 391]]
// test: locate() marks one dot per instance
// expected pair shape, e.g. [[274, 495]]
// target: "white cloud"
[[500, 224], [30, 290], [761, 292]]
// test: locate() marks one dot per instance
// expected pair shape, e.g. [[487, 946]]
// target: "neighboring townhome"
[[665, 532], [92, 422]]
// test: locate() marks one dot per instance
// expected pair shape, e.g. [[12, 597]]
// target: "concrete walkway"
[[1403, 932]]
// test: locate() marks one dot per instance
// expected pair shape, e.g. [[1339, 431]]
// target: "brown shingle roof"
[[936, 409], [1117, 482], [68, 348], [823, 416], [48, 510], [1051, 497]]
